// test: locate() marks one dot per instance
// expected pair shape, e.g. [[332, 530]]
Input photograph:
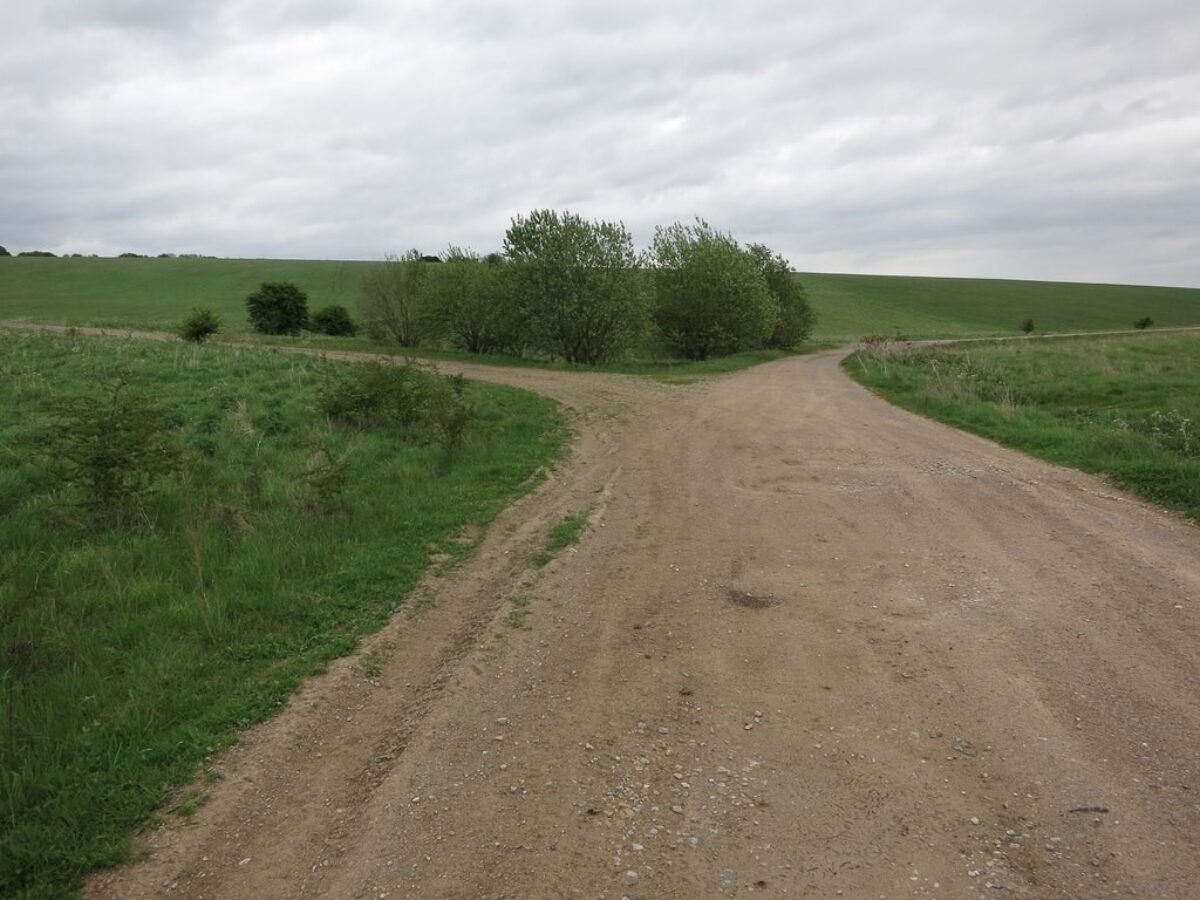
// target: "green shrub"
[[711, 296], [4, 251], [1143, 323], [200, 324], [1027, 326], [467, 299], [334, 320], [278, 307], [377, 394], [114, 448], [393, 303], [796, 319], [575, 286]]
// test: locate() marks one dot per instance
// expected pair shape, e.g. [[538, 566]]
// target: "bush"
[[796, 319], [393, 305], [278, 307], [200, 324], [334, 320], [1143, 323], [370, 395], [4, 251], [468, 301], [115, 448], [43, 253], [711, 296], [576, 291], [1027, 326]]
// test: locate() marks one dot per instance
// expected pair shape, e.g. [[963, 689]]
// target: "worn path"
[[811, 645]]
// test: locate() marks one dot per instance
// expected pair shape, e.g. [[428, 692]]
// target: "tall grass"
[[131, 652], [1128, 408]]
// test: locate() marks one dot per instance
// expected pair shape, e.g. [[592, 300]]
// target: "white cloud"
[[955, 138]]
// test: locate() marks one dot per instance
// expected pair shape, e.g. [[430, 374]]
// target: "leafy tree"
[[796, 319], [712, 298], [1027, 326], [393, 302], [4, 251], [576, 288], [1143, 323], [278, 307], [334, 320], [470, 303], [200, 324]]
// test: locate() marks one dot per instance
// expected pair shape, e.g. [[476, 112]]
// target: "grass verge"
[[1128, 408], [562, 535], [132, 651]]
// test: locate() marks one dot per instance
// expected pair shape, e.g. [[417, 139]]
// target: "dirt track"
[[811, 645]]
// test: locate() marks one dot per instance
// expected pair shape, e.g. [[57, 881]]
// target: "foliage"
[[334, 320], [113, 447], [128, 657], [201, 324], [575, 286], [393, 302], [278, 307], [1143, 323], [1027, 326], [4, 251], [712, 298], [796, 319], [38, 253], [1124, 407], [469, 301]]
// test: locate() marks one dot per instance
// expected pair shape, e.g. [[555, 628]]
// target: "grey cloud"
[[944, 137]]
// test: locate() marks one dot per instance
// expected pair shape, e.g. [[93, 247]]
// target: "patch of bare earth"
[[810, 645]]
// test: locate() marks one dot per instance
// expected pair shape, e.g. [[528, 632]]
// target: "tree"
[[334, 320], [1027, 326], [392, 301], [796, 317], [201, 324], [576, 288], [468, 300], [712, 298], [278, 307], [4, 252], [1142, 323]]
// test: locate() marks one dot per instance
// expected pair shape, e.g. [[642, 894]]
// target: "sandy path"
[[811, 644]]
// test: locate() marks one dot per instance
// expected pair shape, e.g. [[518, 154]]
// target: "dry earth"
[[811, 645]]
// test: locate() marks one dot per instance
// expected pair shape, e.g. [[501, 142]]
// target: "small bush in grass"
[[200, 324], [375, 394], [334, 320], [278, 307], [1027, 326], [407, 397], [1143, 323], [114, 448]]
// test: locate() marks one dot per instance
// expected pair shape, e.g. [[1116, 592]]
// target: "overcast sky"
[[1027, 138]]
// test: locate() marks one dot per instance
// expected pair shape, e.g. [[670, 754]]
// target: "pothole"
[[750, 601]]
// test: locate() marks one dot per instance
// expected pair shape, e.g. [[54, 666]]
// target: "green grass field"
[[156, 293], [132, 650], [851, 306], [1125, 407]]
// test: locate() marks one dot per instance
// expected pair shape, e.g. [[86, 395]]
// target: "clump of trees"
[[278, 307], [574, 285], [577, 289]]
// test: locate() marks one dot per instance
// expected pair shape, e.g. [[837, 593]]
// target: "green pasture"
[[1125, 407], [132, 650]]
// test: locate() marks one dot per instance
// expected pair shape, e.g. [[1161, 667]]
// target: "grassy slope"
[[155, 293], [1125, 407], [129, 654], [851, 306]]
